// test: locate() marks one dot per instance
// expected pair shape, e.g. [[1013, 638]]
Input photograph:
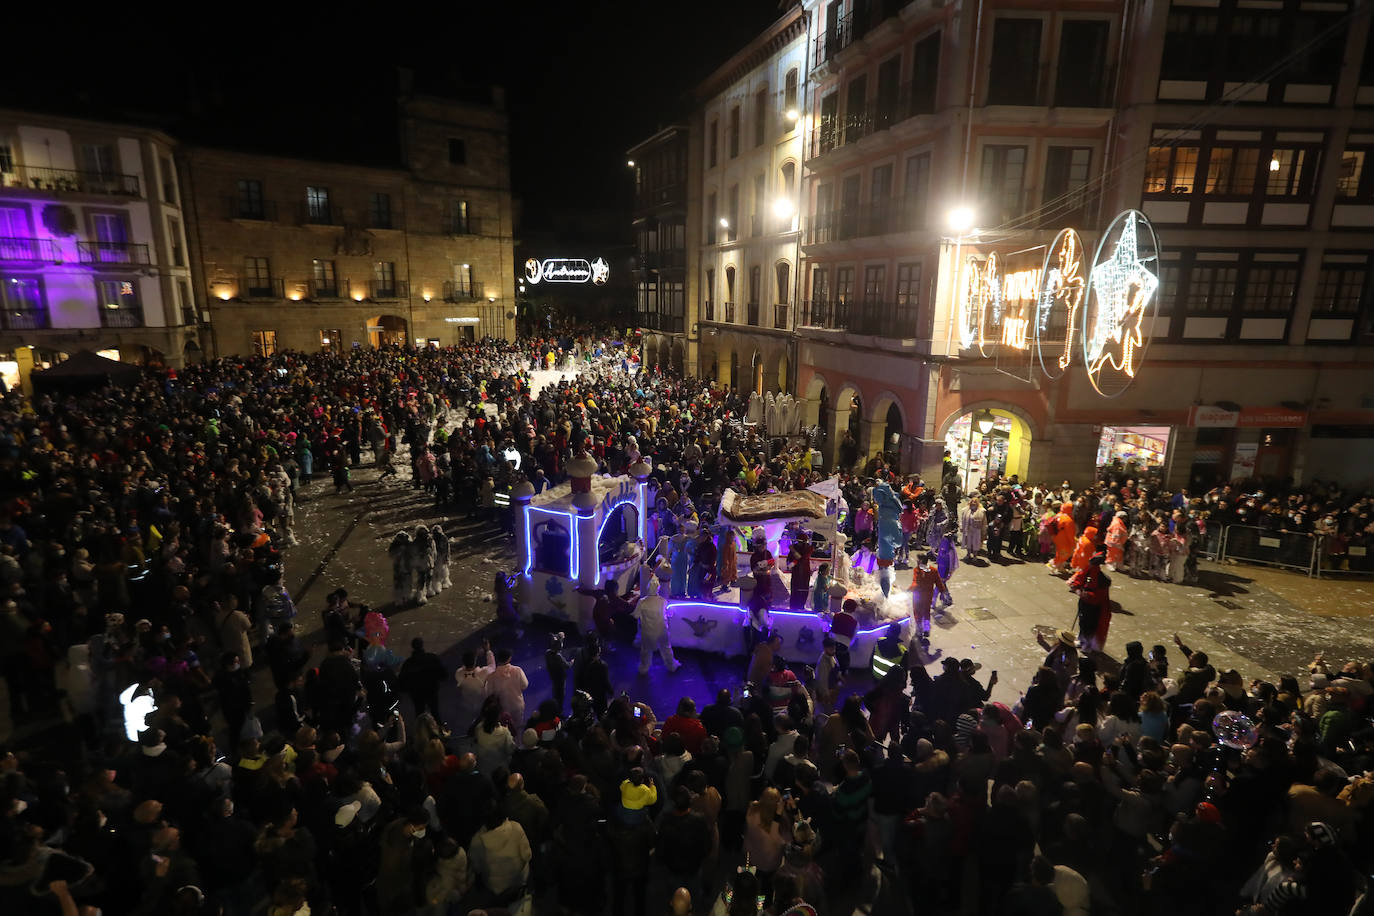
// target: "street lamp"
[[793, 114], [724, 223], [985, 421], [782, 208], [630, 163], [960, 221]]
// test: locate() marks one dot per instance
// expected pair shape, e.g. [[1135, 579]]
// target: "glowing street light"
[[1274, 165], [630, 163], [793, 114], [724, 223], [782, 208], [961, 219], [986, 421]]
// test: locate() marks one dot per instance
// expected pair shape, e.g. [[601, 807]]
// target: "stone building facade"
[[302, 254]]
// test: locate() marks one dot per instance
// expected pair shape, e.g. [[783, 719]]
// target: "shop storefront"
[[988, 443], [1133, 450]]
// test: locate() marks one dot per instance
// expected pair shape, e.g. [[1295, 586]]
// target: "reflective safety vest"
[[882, 664]]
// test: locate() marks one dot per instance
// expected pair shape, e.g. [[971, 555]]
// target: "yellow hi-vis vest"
[[882, 664]]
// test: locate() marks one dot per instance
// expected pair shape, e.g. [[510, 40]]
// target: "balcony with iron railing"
[[24, 319], [240, 208], [662, 321], [752, 312], [115, 253], [669, 259], [28, 249], [389, 289], [660, 196], [709, 310], [729, 313], [462, 292], [325, 289], [463, 225], [121, 318], [780, 316], [261, 288], [308, 214], [879, 217], [894, 321], [74, 181]]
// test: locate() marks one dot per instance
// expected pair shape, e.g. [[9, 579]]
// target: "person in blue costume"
[[889, 530], [683, 547]]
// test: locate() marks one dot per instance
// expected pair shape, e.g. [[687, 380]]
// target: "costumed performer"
[[889, 530]]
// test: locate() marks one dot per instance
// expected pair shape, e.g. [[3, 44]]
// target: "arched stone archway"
[[1004, 448], [887, 417], [846, 422], [784, 373], [387, 330], [650, 357], [757, 372], [708, 365], [679, 358]]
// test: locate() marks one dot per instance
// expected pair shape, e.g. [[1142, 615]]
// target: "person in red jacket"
[[1093, 588], [686, 723]]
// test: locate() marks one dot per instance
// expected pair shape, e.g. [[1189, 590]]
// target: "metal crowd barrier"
[[1285, 549]]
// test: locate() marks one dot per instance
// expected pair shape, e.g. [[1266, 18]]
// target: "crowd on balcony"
[[148, 528]]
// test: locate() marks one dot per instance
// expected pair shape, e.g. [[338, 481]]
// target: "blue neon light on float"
[[743, 612], [609, 513], [572, 533]]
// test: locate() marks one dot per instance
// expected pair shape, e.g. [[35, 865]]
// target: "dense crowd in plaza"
[[149, 528]]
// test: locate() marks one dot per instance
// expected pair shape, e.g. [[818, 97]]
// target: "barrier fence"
[[1312, 554]]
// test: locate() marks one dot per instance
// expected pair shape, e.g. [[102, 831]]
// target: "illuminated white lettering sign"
[[1105, 306], [136, 711], [567, 270], [1121, 295]]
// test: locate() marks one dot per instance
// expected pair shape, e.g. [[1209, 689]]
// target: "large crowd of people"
[[143, 538]]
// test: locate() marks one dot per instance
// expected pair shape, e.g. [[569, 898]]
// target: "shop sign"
[[1122, 287], [1212, 417], [1246, 418], [1272, 418], [1243, 460], [567, 270]]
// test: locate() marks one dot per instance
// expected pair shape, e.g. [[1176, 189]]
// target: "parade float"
[[574, 539]]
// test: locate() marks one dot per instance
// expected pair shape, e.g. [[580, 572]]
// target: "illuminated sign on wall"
[[567, 270], [1121, 295], [1063, 302]]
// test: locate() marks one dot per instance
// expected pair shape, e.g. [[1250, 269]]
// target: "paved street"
[[1262, 622]]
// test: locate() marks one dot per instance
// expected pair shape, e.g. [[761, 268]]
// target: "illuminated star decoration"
[[1123, 287], [534, 271], [601, 271]]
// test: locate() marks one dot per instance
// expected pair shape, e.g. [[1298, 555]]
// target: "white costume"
[[653, 630], [422, 561], [442, 579]]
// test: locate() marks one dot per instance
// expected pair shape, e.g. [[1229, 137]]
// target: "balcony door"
[[111, 233]]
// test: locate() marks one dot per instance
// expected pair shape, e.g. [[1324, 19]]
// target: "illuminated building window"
[[331, 338], [1170, 169], [317, 208], [119, 303], [21, 302], [323, 278], [1291, 172], [1231, 170], [265, 343], [1351, 173]]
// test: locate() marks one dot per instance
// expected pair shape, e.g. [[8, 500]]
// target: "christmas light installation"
[[567, 270], [1122, 287], [1060, 301]]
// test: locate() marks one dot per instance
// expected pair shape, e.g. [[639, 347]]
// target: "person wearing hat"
[[651, 612], [1093, 588]]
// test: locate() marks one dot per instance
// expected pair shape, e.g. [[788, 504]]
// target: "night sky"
[[584, 81]]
